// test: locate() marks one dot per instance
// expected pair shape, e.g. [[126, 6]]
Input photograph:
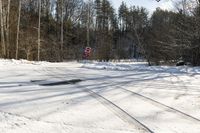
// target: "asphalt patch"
[[73, 81], [33, 81]]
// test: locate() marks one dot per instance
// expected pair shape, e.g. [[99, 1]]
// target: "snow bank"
[[5, 62], [11, 123], [139, 66], [114, 65], [122, 65]]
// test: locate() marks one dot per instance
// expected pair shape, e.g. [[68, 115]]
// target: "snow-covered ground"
[[128, 97]]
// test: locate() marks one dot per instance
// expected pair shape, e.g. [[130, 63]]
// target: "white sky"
[[151, 5]]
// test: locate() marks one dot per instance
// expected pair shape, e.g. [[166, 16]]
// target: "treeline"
[[57, 30], [173, 36]]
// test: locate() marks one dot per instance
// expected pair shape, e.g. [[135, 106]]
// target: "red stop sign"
[[87, 52]]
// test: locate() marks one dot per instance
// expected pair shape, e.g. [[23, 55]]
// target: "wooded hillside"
[[57, 30]]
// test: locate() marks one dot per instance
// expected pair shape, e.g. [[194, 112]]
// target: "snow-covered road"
[[138, 99]]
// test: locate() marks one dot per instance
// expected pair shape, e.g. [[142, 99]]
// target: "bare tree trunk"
[[61, 37], [28, 53], [39, 10], [18, 26], [88, 25], [8, 29], [2, 31]]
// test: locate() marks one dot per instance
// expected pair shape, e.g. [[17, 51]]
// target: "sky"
[[151, 5]]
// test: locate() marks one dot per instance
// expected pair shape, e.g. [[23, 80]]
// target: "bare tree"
[[2, 30], [39, 12], [61, 31], [88, 23], [8, 28], [18, 26]]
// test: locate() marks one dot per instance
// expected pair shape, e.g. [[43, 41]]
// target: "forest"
[[59, 30]]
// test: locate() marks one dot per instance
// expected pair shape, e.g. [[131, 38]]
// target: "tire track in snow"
[[182, 87], [167, 109], [159, 104], [121, 113], [155, 102]]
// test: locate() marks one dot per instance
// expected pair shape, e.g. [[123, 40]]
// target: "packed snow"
[[110, 97]]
